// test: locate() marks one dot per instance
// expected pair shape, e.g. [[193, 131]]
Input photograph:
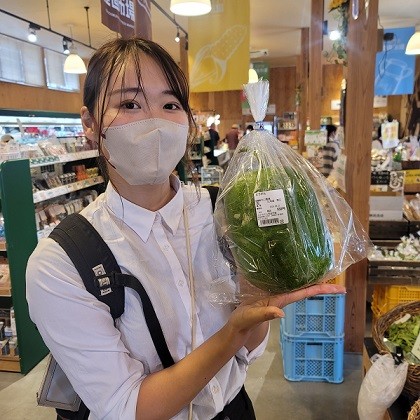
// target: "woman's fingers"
[[316, 289]]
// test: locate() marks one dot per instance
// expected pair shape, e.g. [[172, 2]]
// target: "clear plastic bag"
[[285, 225], [381, 386]]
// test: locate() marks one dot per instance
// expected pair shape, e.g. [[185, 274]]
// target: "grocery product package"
[[285, 226]]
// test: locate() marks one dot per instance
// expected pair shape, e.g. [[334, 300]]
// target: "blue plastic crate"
[[317, 316], [312, 359]]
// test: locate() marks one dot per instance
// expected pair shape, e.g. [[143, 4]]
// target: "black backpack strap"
[[126, 280], [102, 275], [213, 191], [92, 257]]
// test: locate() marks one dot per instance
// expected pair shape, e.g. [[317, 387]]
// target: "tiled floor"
[[274, 397]]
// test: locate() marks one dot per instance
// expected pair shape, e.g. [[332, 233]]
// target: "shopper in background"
[[249, 128], [212, 143], [232, 138], [330, 151], [136, 108]]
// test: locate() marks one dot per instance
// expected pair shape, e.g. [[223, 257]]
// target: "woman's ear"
[[88, 124]]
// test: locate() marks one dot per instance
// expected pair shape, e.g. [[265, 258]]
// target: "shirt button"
[[166, 247], [214, 389]]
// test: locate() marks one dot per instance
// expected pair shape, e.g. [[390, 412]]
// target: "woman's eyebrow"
[[123, 91]]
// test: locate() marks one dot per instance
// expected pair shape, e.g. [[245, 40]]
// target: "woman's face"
[[126, 103]]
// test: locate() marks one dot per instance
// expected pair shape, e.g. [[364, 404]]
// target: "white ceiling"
[[275, 24]]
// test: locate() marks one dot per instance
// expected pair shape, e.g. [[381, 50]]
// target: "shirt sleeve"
[[248, 357], [80, 333]]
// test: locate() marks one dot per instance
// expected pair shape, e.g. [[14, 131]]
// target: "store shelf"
[[10, 363], [65, 189], [394, 272], [68, 157]]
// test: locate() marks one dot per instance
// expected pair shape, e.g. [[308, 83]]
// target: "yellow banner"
[[218, 54]]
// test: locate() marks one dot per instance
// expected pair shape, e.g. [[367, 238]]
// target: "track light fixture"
[[66, 45], [177, 38], [32, 37]]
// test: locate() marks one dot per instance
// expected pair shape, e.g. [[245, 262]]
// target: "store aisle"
[[274, 397]]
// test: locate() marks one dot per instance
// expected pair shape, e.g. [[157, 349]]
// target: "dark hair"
[[331, 129], [250, 127], [112, 58]]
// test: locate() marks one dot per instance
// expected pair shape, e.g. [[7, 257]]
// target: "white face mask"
[[145, 152]]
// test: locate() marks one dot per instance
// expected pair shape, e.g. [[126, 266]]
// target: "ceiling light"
[[177, 35], [413, 45], [32, 32], [252, 75], [74, 64], [66, 45], [334, 35], [190, 7]]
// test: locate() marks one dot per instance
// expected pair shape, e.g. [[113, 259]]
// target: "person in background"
[[330, 151], [232, 138], [249, 128], [163, 233], [212, 143]]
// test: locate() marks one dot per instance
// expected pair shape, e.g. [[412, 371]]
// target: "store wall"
[[15, 96]]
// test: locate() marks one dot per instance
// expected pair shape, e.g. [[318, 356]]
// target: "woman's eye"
[[130, 105], [172, 106]]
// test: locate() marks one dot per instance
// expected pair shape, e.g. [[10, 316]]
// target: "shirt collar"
[[140, 219]]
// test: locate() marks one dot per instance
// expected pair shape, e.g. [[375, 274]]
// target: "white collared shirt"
[[107, 365]]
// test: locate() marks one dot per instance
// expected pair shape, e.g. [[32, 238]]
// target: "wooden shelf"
[[10, 363]]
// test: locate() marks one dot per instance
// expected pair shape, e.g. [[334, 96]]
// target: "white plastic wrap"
[[381, 386], [285, 225]]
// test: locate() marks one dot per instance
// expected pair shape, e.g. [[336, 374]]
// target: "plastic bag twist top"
[[257, 94]]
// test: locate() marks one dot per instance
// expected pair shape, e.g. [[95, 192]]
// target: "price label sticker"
[[271, 208]]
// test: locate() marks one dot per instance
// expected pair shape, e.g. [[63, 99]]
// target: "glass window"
[[21, 62], [56, 78]]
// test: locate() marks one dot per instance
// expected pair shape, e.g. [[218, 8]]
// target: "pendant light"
[[74, 64], [190, 7], [413, 45]]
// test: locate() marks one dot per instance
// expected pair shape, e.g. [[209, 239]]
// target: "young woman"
[[136, 109]]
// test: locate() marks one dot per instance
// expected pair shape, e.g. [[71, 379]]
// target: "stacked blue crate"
[[312, 339]]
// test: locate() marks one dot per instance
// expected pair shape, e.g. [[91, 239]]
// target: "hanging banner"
[[394, 70], [127, 17], [218, 55]]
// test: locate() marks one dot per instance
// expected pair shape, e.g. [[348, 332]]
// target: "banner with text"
[[218, 55], [127, 17]]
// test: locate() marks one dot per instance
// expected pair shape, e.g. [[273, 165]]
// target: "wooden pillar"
[[315, 64], [360, 72], [302, 82]]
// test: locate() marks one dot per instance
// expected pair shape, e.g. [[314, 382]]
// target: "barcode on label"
[[274, 221]]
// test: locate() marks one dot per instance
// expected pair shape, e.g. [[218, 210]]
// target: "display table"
[[401, 407]]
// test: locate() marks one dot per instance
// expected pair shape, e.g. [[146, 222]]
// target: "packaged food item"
[[285, 225]]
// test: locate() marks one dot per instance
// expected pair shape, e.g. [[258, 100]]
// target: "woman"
[[136, 109]]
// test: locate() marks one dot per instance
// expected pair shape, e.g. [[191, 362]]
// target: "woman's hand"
[[248, 319]]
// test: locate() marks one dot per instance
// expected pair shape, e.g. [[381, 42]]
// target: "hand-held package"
[[285, 225]]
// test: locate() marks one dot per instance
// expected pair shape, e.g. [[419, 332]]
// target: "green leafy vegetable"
[[405, 333], [282, 257]]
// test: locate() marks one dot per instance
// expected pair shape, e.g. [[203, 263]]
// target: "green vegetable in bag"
[[281, 257]]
